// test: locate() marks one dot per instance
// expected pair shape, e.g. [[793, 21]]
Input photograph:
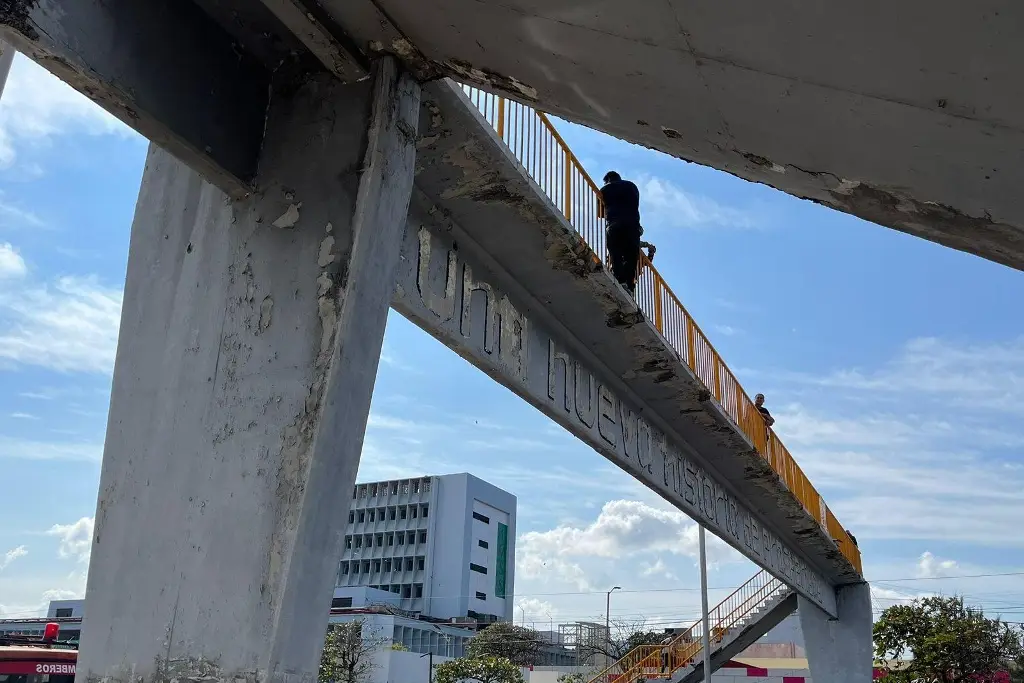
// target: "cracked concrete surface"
[[913, 107]]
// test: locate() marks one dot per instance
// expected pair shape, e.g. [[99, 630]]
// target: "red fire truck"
[[37, 660]]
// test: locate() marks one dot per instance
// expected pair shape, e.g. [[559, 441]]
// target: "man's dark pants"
[[623, 242]]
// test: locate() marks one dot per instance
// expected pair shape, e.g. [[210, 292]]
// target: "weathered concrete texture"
[[163, 67], [908, 114], [250, 337], [480, 210], [840, 650]]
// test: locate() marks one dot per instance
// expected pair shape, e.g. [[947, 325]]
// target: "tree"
[[518, 644], [624, 636], [574, 677], [348, 653], [485, 669], [948, 642]]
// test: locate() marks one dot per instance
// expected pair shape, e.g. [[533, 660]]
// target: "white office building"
[[445, 545]]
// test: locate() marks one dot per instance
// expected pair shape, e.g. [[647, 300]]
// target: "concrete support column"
[[840, 650], [250, 337]]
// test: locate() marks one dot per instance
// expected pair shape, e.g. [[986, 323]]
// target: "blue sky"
[[894, 367]]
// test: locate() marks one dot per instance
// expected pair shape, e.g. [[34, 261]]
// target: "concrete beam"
[[250, 337], [320, 36], [161, 66], [840, 649]]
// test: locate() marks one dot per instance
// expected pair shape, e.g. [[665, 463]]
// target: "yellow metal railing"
[[660, 661], [552, 165]]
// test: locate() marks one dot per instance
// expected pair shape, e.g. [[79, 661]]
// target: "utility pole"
[[608, 620], [704, 606]]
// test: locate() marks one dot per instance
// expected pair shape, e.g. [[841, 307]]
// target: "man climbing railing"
[[547, 159]]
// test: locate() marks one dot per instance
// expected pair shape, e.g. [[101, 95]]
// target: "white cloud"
[[12, 265], [726, 330], [535, 610], [24, 416], [658, 568], [623, 528], [666, 205], [69, 326], [973, 376], [32, 449], [12, 555], [75, 539], [930, 567], [37, 106], [931, 438]]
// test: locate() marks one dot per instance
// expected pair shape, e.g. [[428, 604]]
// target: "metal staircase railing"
[[547, 159], [661, 661]]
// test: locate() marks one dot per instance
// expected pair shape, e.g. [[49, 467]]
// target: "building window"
[[348, 542], [426, 486], [478, 568], [351, 516], [366, 566], [359, 541], [402, 512], [423, 537], [421, 563], [408, 564], [413, 511], [380, 540], [369, 540], [355, 567], [401, 539], [481, 596], [405, 487], [362, 491], [482, 544], [338, 603], [372, 514], [407, 590], [395, 588], [391, 513], [391, 539], [415, 487], [480, 518], [387, 565], [62, 613], [373, 491], [423, 512], [417, 590], [344, 568], [362, 516], [394, 489], [376, 566], [412, 537]]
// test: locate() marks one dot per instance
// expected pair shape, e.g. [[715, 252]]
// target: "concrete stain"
[[289, 218], [490, 80]]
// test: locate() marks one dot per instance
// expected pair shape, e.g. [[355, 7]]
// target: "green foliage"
[[518, 644], [944, 640], [485, 669], [574, 677], [400, 647], [348, 654]]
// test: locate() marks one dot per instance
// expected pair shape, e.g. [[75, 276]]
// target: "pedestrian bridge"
[[299, 184], [547, 159]]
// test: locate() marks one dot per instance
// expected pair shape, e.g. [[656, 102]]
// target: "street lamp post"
[[608, 618]]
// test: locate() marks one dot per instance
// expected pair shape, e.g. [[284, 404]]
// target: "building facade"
[[445, 545]]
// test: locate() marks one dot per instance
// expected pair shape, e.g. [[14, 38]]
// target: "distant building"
[[445, 545]]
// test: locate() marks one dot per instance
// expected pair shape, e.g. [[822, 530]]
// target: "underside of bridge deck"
[[907, 114]]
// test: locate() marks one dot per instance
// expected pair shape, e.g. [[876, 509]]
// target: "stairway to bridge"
[[736, 622]]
